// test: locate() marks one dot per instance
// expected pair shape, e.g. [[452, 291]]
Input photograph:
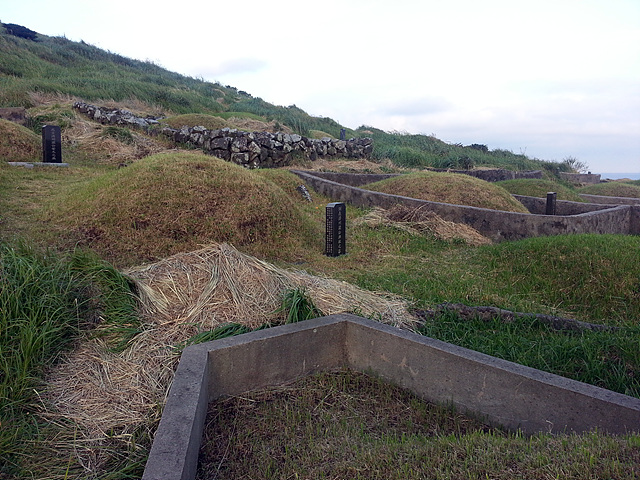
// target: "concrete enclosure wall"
[[498, 391], [359, 179], [610, 200], [581, 178], [494, 224]]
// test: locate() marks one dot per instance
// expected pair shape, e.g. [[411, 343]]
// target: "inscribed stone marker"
[[335, 239], [51, 144], [551, 203]]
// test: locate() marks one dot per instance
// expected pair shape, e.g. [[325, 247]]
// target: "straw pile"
[[420, 221], [112, 395]]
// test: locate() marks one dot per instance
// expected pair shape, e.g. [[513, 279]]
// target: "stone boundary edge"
[[494, 224], [496, 390]]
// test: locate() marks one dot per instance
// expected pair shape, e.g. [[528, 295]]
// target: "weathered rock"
[[251, 149]]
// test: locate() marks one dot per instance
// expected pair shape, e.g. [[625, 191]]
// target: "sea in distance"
[[617, 176]]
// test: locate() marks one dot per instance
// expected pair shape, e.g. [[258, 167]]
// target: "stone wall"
[[250, 149]]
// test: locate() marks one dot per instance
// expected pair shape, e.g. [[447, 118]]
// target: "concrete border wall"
[[494, 224], [610, 200], [359, 179], [580, 178], [498, 391], [538, 206]]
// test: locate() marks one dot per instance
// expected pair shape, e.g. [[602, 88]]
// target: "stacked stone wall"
[[250, 149]]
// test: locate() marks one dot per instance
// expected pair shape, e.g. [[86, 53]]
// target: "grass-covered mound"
[[176, 202], [533, 187], [451, 188], [209, 122], [612, 189], [18, 144]]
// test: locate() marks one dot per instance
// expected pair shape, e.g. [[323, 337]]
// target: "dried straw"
[[420, 221], [113, 394]]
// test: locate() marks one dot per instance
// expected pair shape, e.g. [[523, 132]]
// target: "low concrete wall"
[[610, 200], [494, 224], [538, 206], [359, 179], [494, 174], [501, 392], [581, 178]]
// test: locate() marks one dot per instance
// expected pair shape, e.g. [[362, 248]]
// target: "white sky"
[[548, 78]]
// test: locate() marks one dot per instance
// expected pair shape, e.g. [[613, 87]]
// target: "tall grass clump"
[[45, 301]]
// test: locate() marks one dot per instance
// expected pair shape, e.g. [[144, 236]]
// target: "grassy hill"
[[42, 65]]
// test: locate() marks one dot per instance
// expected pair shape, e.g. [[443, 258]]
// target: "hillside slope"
[[33, 64]]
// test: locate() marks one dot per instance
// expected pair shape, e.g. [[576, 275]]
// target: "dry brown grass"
[[354, 166], [457, 189], [251, 125], [109, 396], [19, 144], [209, 122], [419, 221]]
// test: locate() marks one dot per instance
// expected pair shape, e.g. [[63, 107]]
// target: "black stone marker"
[[343, 134], [336, 235], [51, 144], [551, 203]]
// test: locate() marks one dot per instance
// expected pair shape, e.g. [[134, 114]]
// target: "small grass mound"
[[18, 144], [451, 188], [176, 202], [196, 119], [612, 189], [533, 187]]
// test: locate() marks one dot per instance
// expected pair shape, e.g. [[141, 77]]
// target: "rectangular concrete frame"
[[500, 392]]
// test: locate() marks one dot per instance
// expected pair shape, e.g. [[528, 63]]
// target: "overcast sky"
[[547, 78]]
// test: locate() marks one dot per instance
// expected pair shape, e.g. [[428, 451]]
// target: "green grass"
[[612, 189], [539, 188], [608, 359], [419, 151], [349, 425], [46, 300]]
